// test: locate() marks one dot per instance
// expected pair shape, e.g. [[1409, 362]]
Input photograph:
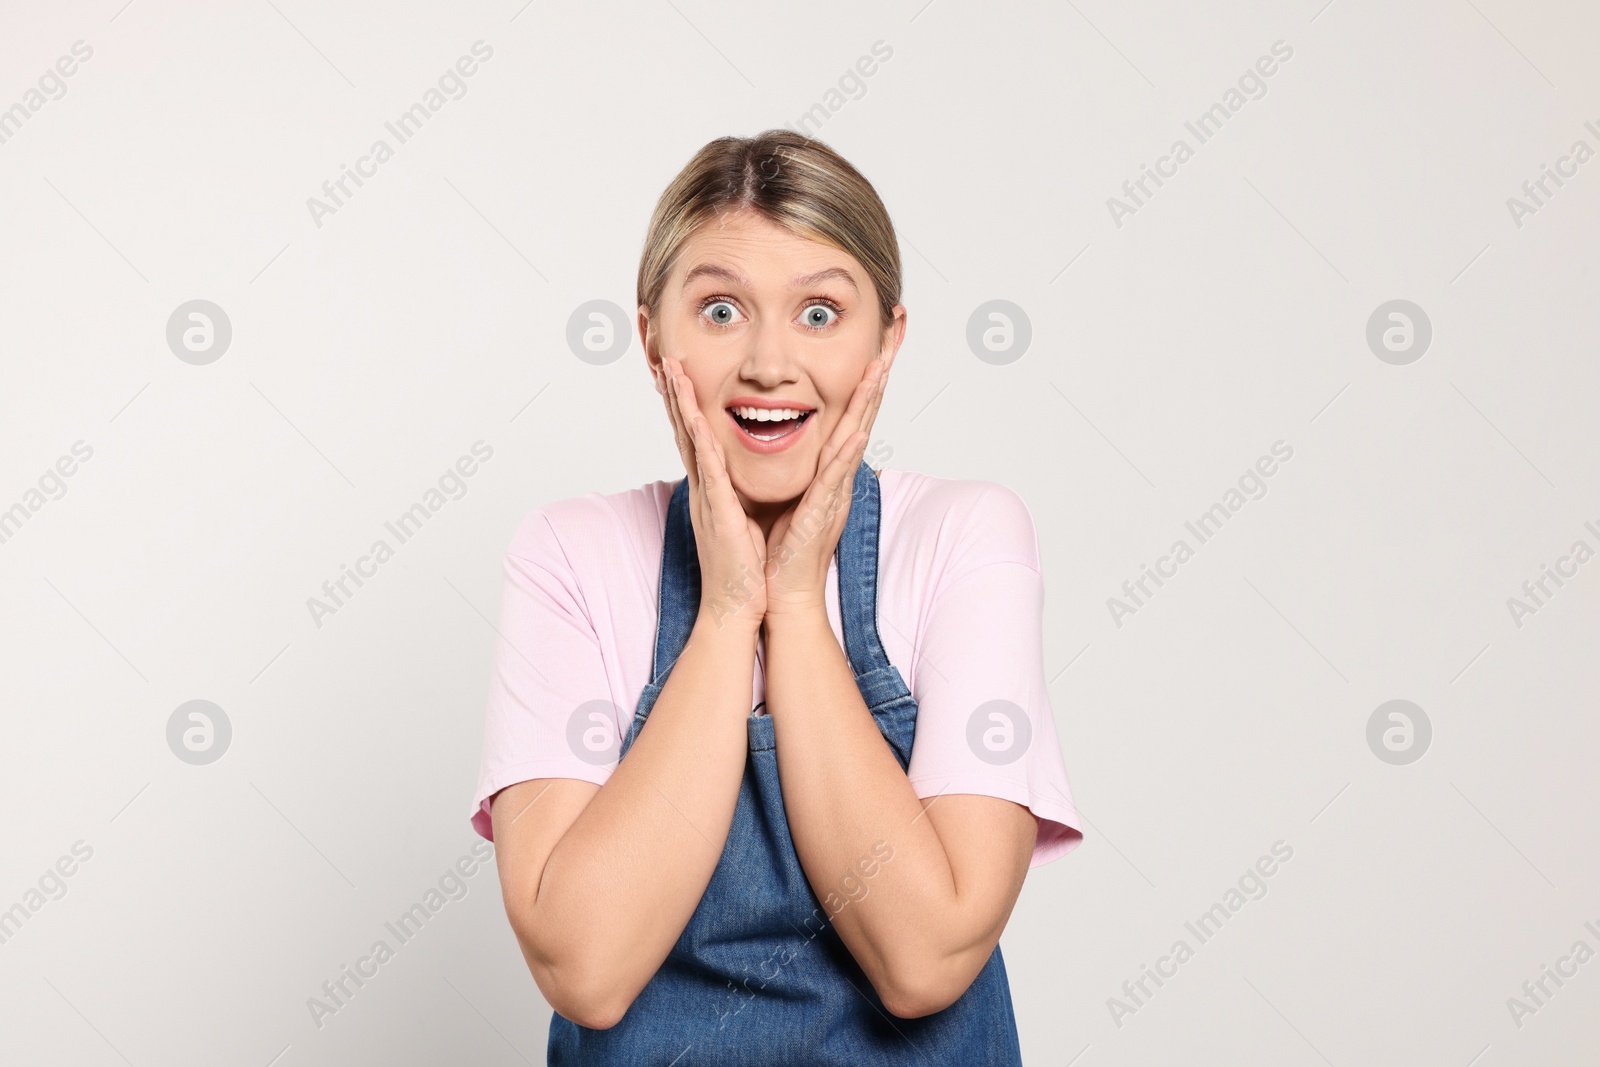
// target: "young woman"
[[727, 829]]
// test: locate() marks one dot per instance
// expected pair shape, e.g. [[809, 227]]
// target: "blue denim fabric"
[[760, 975]]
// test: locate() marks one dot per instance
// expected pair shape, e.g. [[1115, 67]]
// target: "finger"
[[690, 448], [713, 474], [688, 410], [685, 424], [841, 432], [854, 413], [669, 400], [680, 428], [870, 415], [859, 414], [701, 456], [719, 492], [691, 406], [845, 465], [828, 493], [876, 400], [719, 488]]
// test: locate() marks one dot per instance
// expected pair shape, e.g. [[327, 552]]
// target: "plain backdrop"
[[1176, 335]]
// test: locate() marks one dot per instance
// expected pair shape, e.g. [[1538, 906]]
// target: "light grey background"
[[1168, 353]]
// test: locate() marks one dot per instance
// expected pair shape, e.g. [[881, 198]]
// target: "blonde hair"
[[798, 183]]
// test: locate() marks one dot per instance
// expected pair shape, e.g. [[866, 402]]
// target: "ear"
[[652, 345], [893, 334]]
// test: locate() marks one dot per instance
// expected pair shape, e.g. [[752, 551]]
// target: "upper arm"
[[985, 723], [529, 819], [550, 720], [985, 758], [552, 732], [988, 843]]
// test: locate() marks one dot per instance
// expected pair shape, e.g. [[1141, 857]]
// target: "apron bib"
[[760, 975]]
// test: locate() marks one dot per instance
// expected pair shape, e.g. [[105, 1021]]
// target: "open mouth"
[[768, 424]]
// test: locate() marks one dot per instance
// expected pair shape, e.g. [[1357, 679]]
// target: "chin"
[[773, 479]]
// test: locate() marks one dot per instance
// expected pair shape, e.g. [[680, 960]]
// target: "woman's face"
[[761, 317]]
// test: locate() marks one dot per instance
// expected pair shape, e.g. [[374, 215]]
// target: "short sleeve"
[[549, 711], [984, 720]]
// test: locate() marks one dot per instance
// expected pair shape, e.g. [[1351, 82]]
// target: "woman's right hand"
[[729, 542]]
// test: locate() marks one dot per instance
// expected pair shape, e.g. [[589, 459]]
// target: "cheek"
[[706, 387], [829, 424], [840, 385], [705, 393]]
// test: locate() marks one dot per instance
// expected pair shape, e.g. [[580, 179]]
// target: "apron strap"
[[858, 575], [679, 600]]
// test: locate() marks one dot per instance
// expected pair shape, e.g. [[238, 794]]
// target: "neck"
[[765, 513]]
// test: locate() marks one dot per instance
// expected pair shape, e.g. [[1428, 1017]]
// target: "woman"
[[739, 870]]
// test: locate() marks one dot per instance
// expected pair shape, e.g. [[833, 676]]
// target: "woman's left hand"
[[803, 540]]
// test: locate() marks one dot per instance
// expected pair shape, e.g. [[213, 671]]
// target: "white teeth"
[[768, 414]]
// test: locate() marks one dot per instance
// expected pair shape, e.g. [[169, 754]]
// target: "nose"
[[770, 359]]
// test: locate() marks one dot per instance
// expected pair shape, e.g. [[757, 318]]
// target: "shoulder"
[[596, 526], [962, 519]]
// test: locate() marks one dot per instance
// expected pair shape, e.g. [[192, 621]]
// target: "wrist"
[[729, 627], [797, 616]]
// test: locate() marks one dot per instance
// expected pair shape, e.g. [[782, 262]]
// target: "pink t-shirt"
[[960, 605]]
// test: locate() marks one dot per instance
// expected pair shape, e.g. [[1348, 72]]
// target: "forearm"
[[844, 792], [622, 883]]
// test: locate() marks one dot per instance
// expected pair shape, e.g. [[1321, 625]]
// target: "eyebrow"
[[800, 282]]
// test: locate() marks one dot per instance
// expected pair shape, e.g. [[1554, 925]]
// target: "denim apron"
[[760, 976]]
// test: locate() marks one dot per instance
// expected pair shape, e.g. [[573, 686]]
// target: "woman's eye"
[[817, 316], [720, 312]]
